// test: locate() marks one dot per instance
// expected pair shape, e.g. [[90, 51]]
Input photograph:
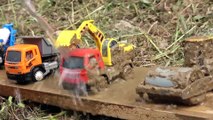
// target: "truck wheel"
[[38, 75], [21, 82]]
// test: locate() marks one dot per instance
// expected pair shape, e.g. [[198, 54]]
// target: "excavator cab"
[[111, 47], [106, 50]]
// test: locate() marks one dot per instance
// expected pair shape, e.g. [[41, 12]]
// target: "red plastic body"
[[75, 76]]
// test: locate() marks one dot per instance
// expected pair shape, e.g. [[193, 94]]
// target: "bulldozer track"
[[118, 100]]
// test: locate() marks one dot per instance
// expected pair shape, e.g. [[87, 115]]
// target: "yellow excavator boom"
[[88, 25], [66, 37]]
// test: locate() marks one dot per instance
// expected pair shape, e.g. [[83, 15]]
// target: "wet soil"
[[198, 52], [123, 93]]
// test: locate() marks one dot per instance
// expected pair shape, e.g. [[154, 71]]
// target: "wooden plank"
[[118, 101]]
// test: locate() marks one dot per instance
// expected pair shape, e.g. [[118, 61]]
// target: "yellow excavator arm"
[[66, 37], [97, 35]]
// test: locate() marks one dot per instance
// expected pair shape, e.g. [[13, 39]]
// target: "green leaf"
[[10, 101], [21, 105], [2, 108], [183, 22], [146, 2], [198, 17]]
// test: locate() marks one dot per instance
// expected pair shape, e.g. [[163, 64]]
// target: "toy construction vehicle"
[[30, 61], [116, 57], [187, 85], [78, 69], [7, 38]]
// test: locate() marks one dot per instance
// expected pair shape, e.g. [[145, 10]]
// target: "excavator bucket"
[[65, 38]]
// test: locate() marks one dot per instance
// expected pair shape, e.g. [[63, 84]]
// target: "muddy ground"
[[108, 101]]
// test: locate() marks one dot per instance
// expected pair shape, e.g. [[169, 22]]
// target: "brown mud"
[[177, 85], [118, 100], [186, 84], [198, 51]]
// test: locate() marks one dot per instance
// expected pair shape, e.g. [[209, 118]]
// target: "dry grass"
[[156, 26], [12, 109]]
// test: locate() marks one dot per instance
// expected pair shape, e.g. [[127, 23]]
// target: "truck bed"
[[119, 100], [45, 47]]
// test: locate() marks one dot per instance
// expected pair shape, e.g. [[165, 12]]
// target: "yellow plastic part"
[[65, 37], [127, 47], [88, 26], [108, 59]]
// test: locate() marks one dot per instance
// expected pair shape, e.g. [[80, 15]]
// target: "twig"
[[14, 13], [2, 6], [175, 47], [3, 16], [179, 39], [87, 12], [152, 27], [55, 116], [148, 65], [15, 115], [186, 8], [101, 7], [151, 41], [73, 20], [82, 8]]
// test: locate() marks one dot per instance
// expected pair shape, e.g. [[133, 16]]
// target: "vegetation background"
[[157, 27]]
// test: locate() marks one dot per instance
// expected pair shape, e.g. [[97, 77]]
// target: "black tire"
[[37, 74], [21, 82]]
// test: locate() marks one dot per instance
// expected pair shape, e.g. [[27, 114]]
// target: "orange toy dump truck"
[[30, 61]]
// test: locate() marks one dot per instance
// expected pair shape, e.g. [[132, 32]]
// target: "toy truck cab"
[[72, 67], [30, 61], [20, 62]]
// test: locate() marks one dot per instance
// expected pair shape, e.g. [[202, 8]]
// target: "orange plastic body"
[[30, 57]]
